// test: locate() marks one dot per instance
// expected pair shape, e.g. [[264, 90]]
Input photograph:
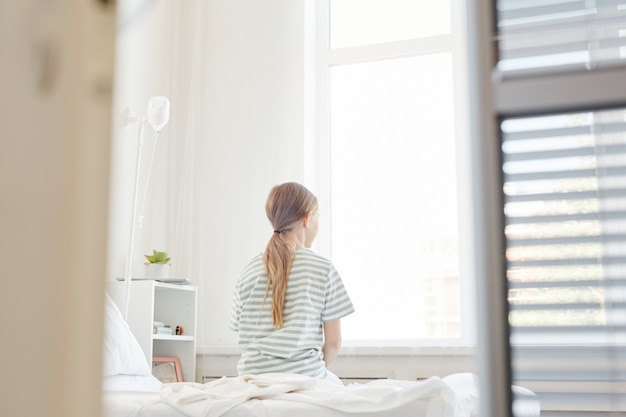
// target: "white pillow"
[[122, 353]]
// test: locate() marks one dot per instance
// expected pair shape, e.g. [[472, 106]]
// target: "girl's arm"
[[332, 340]]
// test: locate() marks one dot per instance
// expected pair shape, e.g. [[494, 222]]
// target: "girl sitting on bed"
[[288, 300]]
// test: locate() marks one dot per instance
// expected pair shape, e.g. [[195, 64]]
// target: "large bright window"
[[393, 169]]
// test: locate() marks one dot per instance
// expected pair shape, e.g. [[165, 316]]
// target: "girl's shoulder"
[[254, 266], [255, 260], [307, 255]]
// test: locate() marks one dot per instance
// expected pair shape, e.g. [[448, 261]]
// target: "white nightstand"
[[171, 304]]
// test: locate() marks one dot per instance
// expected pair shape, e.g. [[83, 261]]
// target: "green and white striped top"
[[315, 294]]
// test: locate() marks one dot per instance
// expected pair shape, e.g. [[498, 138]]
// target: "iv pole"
[[157, 116]]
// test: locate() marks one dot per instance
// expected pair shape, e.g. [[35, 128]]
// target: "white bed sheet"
[[281, 395], [304, 395], [145, 404], [129, 390]]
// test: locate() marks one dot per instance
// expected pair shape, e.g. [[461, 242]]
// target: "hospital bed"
[[130, 390]]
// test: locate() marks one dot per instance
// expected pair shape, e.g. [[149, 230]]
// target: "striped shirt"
[[315, 294]]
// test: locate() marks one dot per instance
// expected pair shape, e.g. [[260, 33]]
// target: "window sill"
[[349, 349], [353, 349]]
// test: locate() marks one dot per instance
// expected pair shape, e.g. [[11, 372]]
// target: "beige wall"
[[55, 78]]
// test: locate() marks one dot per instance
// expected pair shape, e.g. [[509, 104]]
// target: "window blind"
[[560, 34], [564, 184]]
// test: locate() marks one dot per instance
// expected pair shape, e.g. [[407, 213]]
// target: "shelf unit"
[[172, 304]]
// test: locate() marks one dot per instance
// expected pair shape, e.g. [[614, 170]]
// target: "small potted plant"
[[157, 266]]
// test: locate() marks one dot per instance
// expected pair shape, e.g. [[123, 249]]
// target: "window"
[[564, 34], [392, 147], [565, 211], [561, 117], [564, 186]]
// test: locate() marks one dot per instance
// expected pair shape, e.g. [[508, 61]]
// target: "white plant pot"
[[157, 271]]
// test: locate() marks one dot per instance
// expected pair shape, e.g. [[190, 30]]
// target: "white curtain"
[[159, 52]]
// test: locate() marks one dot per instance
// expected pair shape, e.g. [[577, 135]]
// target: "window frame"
[[319, 95]]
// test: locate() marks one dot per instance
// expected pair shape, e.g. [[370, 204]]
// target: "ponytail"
[[286, 205], [278, 258]]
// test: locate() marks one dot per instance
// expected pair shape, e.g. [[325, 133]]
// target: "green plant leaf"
[[158, 257]]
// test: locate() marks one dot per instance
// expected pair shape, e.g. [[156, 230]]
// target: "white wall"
[[254, 140], [234, 72], [142, 70]]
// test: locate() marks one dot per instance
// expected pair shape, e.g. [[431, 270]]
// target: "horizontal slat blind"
[[559, 34], [565, 228]]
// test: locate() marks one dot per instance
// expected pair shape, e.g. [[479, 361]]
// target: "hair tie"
[[277, 231]]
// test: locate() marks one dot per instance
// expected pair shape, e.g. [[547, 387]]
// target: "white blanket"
[[216, 398]]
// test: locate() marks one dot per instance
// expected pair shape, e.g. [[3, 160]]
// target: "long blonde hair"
[[286, 205]]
